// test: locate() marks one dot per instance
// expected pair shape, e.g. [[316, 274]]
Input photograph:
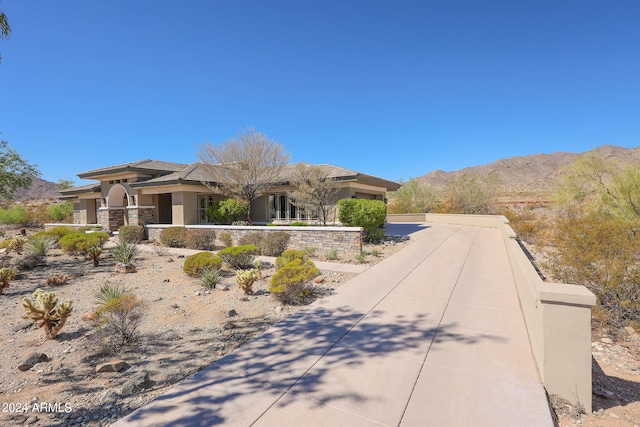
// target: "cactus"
[[258, 266], [17, 243], [7, 274], [246, 279], [48, 313], [60, 279], [93, 254]]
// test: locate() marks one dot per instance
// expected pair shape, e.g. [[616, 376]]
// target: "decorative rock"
[[225, 288], [197, 293], [22, 326], [169, 259], [125, 268], [279, 309], [244, 299], [175, 306], [232, 313], [111, 366], [31, 420], [89, 316], [136, 384], [607, 340], [632, 333], [229, 325], [319, 280], [32, 360]]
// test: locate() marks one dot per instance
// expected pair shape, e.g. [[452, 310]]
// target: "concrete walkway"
[[432, 336]]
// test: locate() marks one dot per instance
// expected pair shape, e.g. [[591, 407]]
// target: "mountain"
[[533, 175], [40, 189]]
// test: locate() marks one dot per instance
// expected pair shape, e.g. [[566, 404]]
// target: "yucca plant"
[[46, 312], [94, 255], [7, 274], [108, 293], [41, 245], [210, 277], [125, 252]]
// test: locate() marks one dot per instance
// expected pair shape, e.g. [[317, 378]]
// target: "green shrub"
[[368, 214], [373, 235], [16, 215], [76, 243], [228, 210], [254, 238], [289, 285], [131, 233], [226, 239], [332, 255], [125, 252], [310, 251], [174, 237], [274, 243], [299, 224], [290, 255], [195, 264], [201, 239], [57, 232], [239, 257], [361, 257], [60, 211]]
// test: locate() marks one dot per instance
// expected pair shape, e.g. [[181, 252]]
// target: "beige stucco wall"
[[184, 208]]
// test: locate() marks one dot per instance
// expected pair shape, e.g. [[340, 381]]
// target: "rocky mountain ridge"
[[535, 174]]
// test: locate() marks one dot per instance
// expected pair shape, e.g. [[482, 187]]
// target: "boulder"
[[32, 360], [111, 366], [124, 268], [136, 384]]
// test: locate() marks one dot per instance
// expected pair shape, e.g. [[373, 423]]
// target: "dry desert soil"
[[186, 328]]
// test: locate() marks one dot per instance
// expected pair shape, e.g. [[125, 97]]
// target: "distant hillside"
[[40, 189], [533, 175]]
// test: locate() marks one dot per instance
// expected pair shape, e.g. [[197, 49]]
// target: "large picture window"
[[281, 208], [203, 207]]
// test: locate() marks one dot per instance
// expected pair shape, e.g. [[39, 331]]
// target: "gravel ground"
[[185, 328]]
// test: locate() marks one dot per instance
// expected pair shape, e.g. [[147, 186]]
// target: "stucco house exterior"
[[158, 192]]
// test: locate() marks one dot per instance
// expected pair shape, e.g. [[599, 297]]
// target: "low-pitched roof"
[[144, 166], [169, 173]]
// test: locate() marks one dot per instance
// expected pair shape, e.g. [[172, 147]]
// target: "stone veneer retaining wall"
[[347, 241]]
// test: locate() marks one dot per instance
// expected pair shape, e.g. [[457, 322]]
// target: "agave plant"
[[46, 312], [108, 294], [125, 252], [7, 274]]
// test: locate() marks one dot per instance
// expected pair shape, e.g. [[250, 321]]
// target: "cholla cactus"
[[93, 254], [258, 265], [17, 243], [48, 314], [60, 279], [246, 279], [7, 274]]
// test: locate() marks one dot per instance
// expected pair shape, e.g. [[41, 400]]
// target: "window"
[[281, 209], [203, 207]]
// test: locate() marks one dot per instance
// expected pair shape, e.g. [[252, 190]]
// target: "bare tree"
[[315, 190], [245, 166]]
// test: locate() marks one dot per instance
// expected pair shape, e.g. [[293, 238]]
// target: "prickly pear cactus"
[[7, 274], [246, 279], [47, 313]]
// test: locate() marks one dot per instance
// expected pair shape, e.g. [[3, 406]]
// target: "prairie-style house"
[[158, 192]]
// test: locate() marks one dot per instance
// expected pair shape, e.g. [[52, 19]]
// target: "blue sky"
[[390, 88]]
